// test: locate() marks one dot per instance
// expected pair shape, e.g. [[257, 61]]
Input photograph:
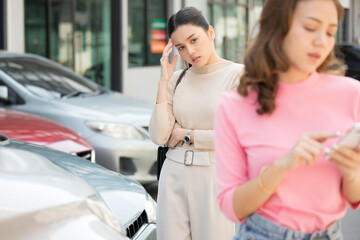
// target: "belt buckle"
[[185, 157]]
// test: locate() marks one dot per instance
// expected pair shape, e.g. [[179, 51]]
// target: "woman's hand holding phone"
[[351, 139], [306, 150], [346, 153], [347, 160]]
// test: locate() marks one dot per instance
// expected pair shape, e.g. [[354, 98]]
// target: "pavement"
[[350, 225]]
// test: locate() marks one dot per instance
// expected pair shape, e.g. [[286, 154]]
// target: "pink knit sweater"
[[309, 197]]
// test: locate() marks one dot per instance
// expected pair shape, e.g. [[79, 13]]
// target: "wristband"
[[261, 183]]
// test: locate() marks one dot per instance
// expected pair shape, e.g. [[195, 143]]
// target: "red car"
[[38, 130]]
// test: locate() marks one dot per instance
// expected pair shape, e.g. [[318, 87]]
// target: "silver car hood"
[[125, 198], [111, 106], [25, 175]]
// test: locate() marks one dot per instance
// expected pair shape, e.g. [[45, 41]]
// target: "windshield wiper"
[[71, 94], [77, 93], [100, 91]]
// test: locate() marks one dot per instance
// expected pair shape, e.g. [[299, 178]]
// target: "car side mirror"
[[4, 94]]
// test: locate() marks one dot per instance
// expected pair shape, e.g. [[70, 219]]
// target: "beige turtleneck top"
[[194, 103]]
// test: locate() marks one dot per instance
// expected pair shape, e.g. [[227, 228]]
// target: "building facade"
[[118, 43]]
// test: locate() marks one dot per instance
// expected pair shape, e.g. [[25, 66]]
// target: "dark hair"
[[187, 15], [265, 58]]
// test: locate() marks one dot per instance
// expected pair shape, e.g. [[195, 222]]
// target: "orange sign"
[[158, 46]]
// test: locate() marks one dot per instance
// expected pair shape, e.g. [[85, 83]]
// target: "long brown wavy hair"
[[264, 58]]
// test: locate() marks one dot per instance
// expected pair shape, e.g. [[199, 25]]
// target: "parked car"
[[38, 130], [115, 125], [351, 55], [48, 194]]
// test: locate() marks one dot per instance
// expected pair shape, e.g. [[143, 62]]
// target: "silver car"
[[48, 194], [115, 125]]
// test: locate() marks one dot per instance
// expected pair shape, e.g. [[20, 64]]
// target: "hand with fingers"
[[306, 150], [177, 135], [167, 68], [347, 160]]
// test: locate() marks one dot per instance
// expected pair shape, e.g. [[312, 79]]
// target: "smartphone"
[[351, 139]]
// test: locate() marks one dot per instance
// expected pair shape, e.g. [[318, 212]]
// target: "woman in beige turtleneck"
[[183, 118]]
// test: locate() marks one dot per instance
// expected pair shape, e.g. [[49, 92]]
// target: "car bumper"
[[146, 232], [135, 159]]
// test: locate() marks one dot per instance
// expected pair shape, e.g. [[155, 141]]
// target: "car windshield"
[[47, 80]]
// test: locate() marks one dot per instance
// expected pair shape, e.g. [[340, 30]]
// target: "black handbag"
[[162, 150], [161, 156]]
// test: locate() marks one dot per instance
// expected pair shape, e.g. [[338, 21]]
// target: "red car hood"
[[31, 128]]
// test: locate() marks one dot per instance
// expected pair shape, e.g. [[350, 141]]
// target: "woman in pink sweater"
[[271, 133]]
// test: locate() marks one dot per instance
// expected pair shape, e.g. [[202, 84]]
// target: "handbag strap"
[[180, 78]]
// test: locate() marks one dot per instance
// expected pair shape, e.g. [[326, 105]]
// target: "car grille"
[[136, 225], [86, 155]]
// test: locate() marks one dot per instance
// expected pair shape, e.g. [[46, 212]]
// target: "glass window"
[[136, 35], [219, 26], [258, 6], [61, 32], [74, 33], [259, 2], [35, 27], [236, 33], [93, 40], [146, 32], [230, 24], [232, 20], [157, 34], [342, 34], [229, 1]]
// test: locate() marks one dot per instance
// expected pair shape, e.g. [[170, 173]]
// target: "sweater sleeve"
[[231, 164], [162, 118], [236, 81], [204, 139]]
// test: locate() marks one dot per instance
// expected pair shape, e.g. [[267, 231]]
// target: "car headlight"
[[150, 209], [116, 130], [102, 211]]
